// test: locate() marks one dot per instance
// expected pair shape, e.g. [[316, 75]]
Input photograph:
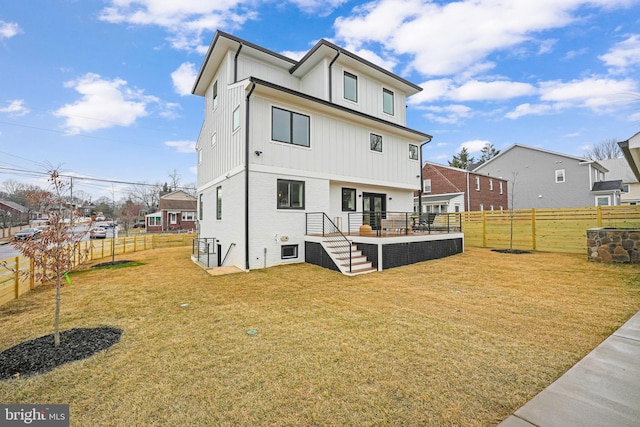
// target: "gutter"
[[246, 180]]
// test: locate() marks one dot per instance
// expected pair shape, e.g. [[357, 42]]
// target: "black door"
[[373, 209]]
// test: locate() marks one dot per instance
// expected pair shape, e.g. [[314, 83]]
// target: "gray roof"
[[607, 185], [14, 206]]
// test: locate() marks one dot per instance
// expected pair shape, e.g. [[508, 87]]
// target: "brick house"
[[176, 212], [449, 189]]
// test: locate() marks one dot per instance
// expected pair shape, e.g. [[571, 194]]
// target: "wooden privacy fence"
[[19, 277], [546, 230]]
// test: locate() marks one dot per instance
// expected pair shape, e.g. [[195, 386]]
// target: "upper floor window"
[[200, 207], [500, 187], [214, 139], [387, 101], [290, 194], [350, 87], [348, 199], [290, 127], [199, 156], [491, 186], [560, 175], [215, 95], [477, 183], [375, 142], [427, 186], [413, 152], [236, 118]]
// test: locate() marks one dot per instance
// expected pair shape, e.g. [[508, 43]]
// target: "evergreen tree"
[[488, 152], [462, 160]]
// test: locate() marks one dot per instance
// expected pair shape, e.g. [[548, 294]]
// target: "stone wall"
[[613, 245]]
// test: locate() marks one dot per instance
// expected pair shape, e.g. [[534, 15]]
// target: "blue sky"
[[102, 88]]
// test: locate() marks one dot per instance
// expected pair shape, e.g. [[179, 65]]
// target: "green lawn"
[[463, 340]]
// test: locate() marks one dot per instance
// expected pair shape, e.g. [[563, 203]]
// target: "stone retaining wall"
[[613, 245]]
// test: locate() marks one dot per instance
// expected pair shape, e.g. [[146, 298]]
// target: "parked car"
[[98, 233], [26, 233], [139, 225]]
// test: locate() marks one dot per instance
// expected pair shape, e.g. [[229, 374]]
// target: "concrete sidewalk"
[[603, 389]]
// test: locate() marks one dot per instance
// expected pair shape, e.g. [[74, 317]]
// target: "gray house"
[[619, 169], [545, 179]]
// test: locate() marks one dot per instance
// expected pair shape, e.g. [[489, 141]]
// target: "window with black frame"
[[290, 194], [348, 199]]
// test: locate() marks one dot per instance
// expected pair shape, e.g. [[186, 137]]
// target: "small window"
[[427, 186], [387, 101], [481, 207], [625, 188], [214, 140], [289, 251], [560, 176], [200, 156], [290, 194], [456, 207], [218, 202], [350, 87], [215, 95], [603, 201], [188, 216], [375, 142], [200, 207], [413, 152], [500, 187], [236, 118], [292, 128], [348, 199], [155, 220], [478, 184], [491, 186]]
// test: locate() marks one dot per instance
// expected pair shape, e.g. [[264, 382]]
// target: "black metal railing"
[[318, 223], [403, 223], [203, 249]]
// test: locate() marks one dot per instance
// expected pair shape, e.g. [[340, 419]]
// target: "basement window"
[[289, 252]]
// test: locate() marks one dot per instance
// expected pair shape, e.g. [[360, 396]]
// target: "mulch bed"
[[39, 355], [511, 251], [106, 264]]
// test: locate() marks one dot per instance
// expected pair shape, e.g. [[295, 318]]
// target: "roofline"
[[351, 55], [466, 170], [579, 159], [337, 107]]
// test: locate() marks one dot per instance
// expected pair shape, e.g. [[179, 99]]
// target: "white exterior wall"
[[316, 81], [249, 66]]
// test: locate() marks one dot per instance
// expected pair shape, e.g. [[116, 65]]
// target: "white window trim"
[[564, 176], [608, 197], [344, 96], [393, 102], [477, 183]]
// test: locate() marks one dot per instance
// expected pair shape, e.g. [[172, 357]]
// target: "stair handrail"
[[329, 231]]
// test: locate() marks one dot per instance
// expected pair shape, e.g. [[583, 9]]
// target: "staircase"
[[345, 255], [348, 259]]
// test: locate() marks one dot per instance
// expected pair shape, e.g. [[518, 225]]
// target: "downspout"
[[421, 180], [235, 63], [330, 78], [468, 209], [246, 180]]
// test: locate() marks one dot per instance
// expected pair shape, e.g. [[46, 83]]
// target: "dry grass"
[[459, 341]]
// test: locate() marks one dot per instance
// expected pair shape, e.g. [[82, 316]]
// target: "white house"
[[285, 140]]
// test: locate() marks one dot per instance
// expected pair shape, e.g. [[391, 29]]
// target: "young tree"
[[608, 149], [488, 152], [462, 160], [56, 250]]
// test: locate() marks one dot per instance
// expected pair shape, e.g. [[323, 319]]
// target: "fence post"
[[17, 278], [533, 228], [484, 229], [599, 216]]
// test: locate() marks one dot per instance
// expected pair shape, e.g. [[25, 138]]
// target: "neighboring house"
[[619, 169], [176, 212], [449, 189], [631, 150], [546, 179], [285, 140], [13, 213]]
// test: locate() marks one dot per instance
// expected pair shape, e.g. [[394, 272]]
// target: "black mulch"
[[511, 251], [106, 264], [39, 355]]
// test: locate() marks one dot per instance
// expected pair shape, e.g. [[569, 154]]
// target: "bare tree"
[[56, 250], [174, 180], [146, 194], [608, 149]]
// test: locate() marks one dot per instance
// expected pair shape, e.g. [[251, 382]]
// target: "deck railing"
[[386, 223], [318, 223]]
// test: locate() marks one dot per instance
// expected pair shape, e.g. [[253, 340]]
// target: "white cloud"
[[595, 93], [452, 37], [623, 55], [15, 108], [182, 146], [183, 78], [104, 104], [496, 90], [528, 109], [449, 114], [9, 29], [474, 146]]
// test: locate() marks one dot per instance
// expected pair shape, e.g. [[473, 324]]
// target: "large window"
[[215, 95], [560, 175], [218, 202], [350, 87], [348, 199], [290, 194], [290, 127], [188, 216], [375, 142], [413, 152], [387, 101]]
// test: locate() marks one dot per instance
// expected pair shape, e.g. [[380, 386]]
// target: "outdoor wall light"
[[258, 152]]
